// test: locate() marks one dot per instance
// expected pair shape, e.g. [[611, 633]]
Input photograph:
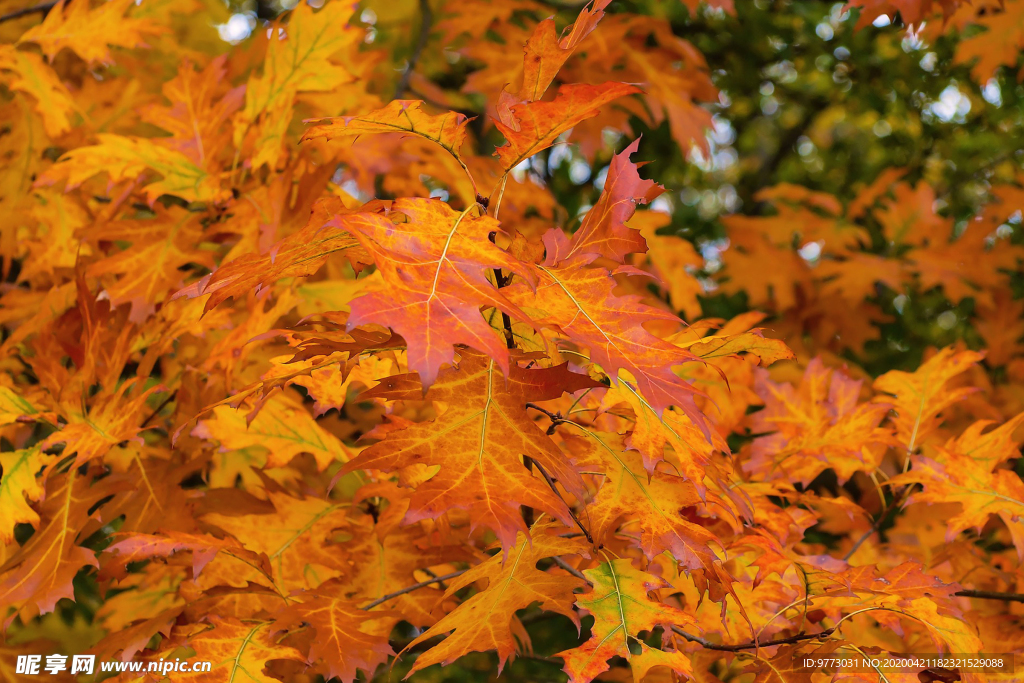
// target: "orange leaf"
[[347, 638], [535, 126], [484, 621], [478, 443], [435, 264], [920, 396]]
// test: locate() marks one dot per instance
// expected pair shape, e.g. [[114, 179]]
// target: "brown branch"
[[427, 19], [569, 568], [896, 503], [803, 637], [991, 595], [440, 583], [703, 642], [556, 418], [529, 516], [506, 322], [547, 478], [754, 645], [415, 586], [163, 404], [42, 8]]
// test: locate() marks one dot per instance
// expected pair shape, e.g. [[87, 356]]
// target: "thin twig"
[[991, 595], [426, 20], [556, 418], [896, 503], [163, 404], [415, 586], [703, 642], [569, 568], [753, 645], [551, 484], [42, 8], [440, 584], [803, 637]]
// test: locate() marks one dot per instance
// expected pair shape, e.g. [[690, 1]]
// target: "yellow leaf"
[[89, 31], [298, 60], [18, 486], [484, 621], [284, 429], [125, 158], [31, 75]]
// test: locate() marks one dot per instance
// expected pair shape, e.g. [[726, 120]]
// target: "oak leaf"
[[603, 232], [659, 503], [238, 650], [999, 44], [300, 254], [435, 264], [39, 573], [580, 303], [153, 265], [299, 59], [199, 111], [348, 639], [478, 444], [919, 397], [386, 563], [295, 538], [113, 417], [88, 31], [127, 158], [957, 478], [674, 261], [784, 667], [400, 116], [536, 125], [622, 609], [18, 486], [33, 76], [483, 621], [819, 425], [543, 55], [281, 427], [136, 547]]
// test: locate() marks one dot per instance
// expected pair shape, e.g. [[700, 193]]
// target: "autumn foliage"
[[307, 370]]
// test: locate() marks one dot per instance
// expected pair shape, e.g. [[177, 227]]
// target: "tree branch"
[[753, 645], [703, 642], [547, 478], [426, 20], [42, 8], [803, 637], [569, 568], [896, 503], [163, 404], [415, 586], [554, 417], [991, 595]]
